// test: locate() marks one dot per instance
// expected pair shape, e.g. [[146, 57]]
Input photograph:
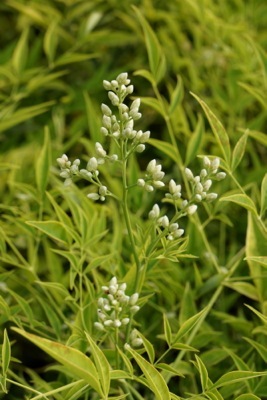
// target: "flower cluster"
[[201, 183], [121, 126], [68, 169], [153, 178], [172, 230], [116, 309]]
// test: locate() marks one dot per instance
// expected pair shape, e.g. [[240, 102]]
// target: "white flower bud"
[[151, 166], [134, 309], [207, 185], [106, 110], [178, 233], [215, 163], [206, 162], [125, 321], [113, 98], [199, 188], [103, 190], [158, 184], [108, 322], [203, 173], [211, 196], [154, 213], [164, 221], [114, 157], [188, 173], [137, 342], [141, 182], [106, 121], [198, 197], [174, 227], [123, 286], [65, 174], [133, 299], [92, 164], [117, 323], [99, 326], [191, 209], [220, 176], [144, 136], [86, 174], [93, 196], [130, 89], [149, 188], [107, 85], [104, 131], [184, 204], [140, 148], [62, 160], [122, 79]]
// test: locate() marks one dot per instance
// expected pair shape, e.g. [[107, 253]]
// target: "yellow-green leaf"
[[239, 151], [176, 96], [236, 376], [166, 148], [54, 229], [218, 130], [264, 195], [101, 364], [43, 164], [194, 142], [242, 200], [155, 380], [20, 54], [77, 363], [188, 325]]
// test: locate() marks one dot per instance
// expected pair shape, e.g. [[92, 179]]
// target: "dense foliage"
[[193, 295]]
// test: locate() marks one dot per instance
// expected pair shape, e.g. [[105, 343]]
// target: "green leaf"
[[43, 164], [204, 378], [51, 40], [256, 240], [188, 325], [236, 376], [149, 348], [259, 136], [167, 330], [259, 347], [153, 103], [239, 151], [182, 346], [101, 364], [259, 314], [218, 130], [74, 361], [24, 306], [6, 353], [263, 195], [145, 74], [176, 96], [248, 397], [20, 54], [155, 53], [259, 260], [155, 380], [244, 288], [194, 142], [56, 230], [242, 200], [24, 114], [169, 368], [166, 148]]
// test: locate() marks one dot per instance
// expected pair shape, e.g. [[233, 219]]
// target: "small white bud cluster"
[[122, 126], [202, 183], [153, 178], [68, 169], [116, 309], [172, 230]]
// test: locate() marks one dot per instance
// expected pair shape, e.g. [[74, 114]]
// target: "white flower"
[[188, 173], [211, 196], [220, 176], [191, 209], [113, 98], [164, 221], [154, 213], [92, 164], [106, 110], [93, 196]]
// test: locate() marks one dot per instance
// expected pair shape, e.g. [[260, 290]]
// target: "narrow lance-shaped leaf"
[[101, 364], [154, 50], [21, 52], [176, 96], [188, 325], [43, 164], [155, 380], [242, 200], [263, 195], [77, 363], [194, 142], [218, 130], [6, 353], [239, 151], [204, 378], [237, 376]]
